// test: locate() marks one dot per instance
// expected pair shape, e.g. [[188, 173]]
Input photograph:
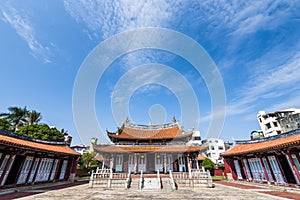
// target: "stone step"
[[151, 184], [166, 186]]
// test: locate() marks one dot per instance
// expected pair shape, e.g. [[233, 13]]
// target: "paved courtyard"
[[219, 192]]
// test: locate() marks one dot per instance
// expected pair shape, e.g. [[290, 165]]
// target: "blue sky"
[[254, 44]]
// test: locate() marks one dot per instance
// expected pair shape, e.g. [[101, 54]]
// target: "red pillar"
[[228, 164], [244, 169]]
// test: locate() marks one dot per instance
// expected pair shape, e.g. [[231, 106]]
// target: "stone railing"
[[128, 180], [195, 178], [105, 178], [172, 182], [141, 182], [158, 180]]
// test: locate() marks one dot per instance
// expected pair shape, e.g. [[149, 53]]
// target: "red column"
[[293, 165], [244, 169], [228, 164]]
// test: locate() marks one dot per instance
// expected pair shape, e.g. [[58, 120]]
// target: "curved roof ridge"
[[27, 138], [150, 127]]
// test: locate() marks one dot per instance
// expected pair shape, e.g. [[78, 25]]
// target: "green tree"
[[86, 161], [32, 117], [16, 116], [208, 164], [42, 132], [4, 124]]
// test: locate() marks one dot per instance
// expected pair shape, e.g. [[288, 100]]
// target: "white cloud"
[[23, 27], [211, 19], [106, 18], [283, 80]]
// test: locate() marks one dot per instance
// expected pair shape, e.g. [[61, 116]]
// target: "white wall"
[[215, 148]]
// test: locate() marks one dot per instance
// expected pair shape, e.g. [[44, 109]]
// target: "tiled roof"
[[98, 157], [146, 134], [147, 148], [11, 141], [240, 149]]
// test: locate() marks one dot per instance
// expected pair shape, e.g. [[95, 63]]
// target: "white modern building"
[[215, 148], [289, 119], [81, 149], [268, 123], [278, 122], [196, 138]]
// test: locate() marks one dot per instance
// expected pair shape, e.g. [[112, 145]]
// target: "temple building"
[[149, 148], [28, 161], [275, 159]]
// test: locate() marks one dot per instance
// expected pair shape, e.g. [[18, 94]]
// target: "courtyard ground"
[[222, 190]]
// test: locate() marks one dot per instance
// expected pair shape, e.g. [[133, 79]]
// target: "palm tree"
[[16, 116], [32, 117]]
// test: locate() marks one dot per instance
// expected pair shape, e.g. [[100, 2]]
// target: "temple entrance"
[[287, 170], [13, 172], [150, 162]]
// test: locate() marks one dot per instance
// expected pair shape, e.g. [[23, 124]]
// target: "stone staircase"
[[166, 186], [151, 184], [134, 185]]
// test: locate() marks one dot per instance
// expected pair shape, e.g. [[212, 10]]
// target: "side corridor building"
[[274, 159], [24, 160]]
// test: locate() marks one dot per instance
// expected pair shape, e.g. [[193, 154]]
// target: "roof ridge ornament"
[[127, 120], [174, 119]]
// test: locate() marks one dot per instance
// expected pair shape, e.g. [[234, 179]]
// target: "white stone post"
[[165, 163], [189, 166], [135, 163]]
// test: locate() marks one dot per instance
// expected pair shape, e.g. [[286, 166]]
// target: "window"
[[260, 120], [238, 169], [212, 148], [220, 148], [268, 125], [275, 124]]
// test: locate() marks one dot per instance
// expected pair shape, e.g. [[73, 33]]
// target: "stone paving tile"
[[82, 192], [289, 195]]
